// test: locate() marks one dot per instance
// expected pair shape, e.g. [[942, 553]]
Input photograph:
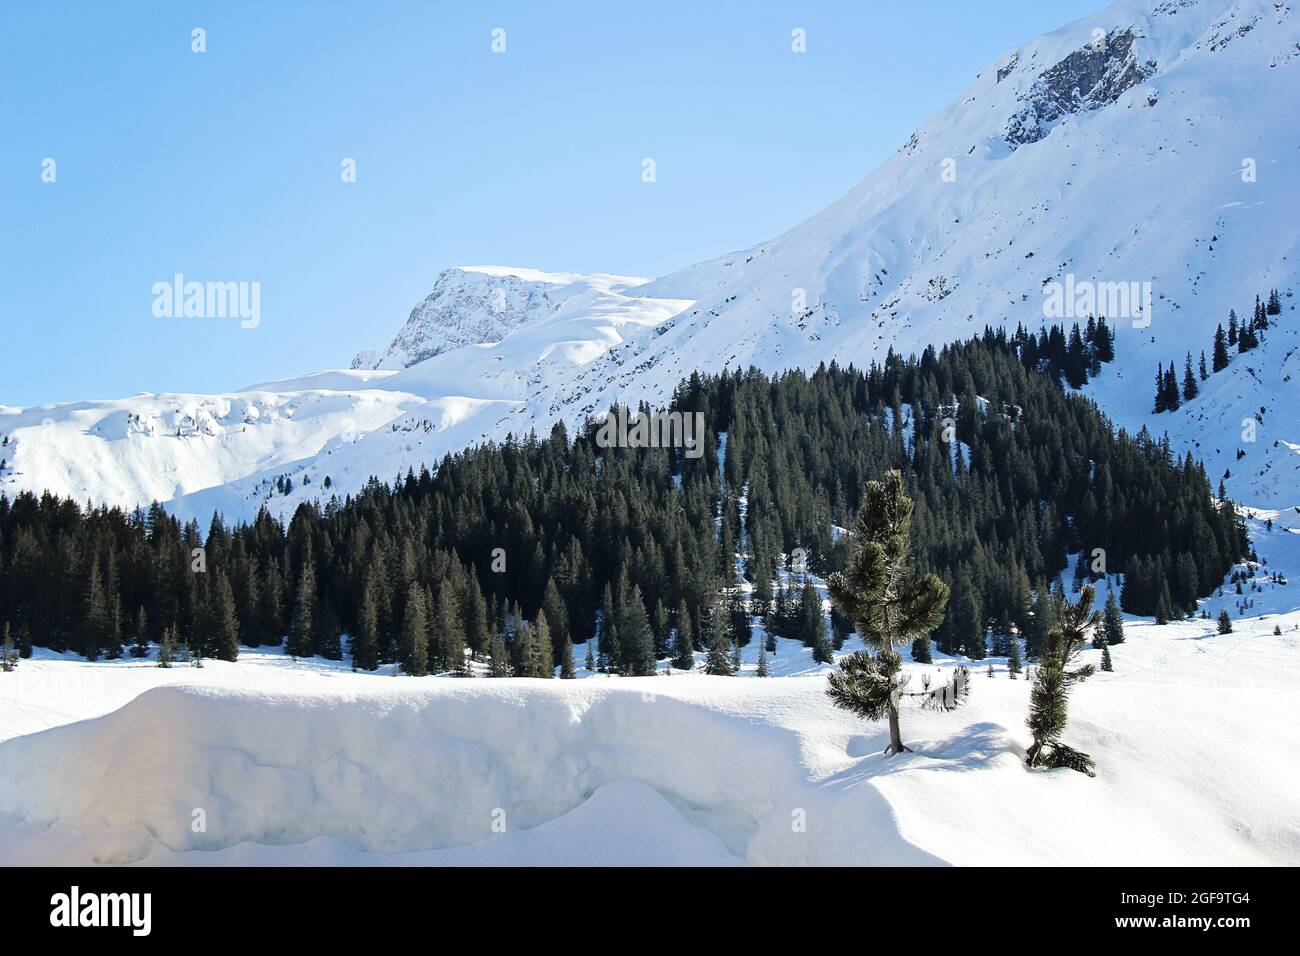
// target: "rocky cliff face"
[[1087, 79], [465, 308]]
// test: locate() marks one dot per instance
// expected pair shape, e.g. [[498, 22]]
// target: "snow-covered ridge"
[[474, 305]]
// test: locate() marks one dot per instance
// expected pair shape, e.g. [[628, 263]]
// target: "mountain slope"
[[1151, 144]]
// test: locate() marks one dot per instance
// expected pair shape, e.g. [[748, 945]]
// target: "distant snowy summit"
[[473, 305]]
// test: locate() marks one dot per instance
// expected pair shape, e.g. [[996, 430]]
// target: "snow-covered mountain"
[[1153, 144], [473, 305]]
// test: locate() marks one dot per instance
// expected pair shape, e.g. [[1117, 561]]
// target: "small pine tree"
[[762, 663], [1112, 621], [590, 663], [1220, 361], [166, 647], [718, 662], [1189, 380], [1225, 622], [1164, 606], [1013, 657], [1053, 678], [1105, 658], [889, 606]]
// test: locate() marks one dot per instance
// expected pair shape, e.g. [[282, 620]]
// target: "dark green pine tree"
[[98, 622], [414, 650], [762, 663], [1225, 622], [303, 628], [140, 634], [1014, 665], [557, 616], [1164, 604], [541, 662], [450, 631], [1189, 380], [1220, 361], [1112, 621], [223, 630], [812, 625], [476, 625], [8, 656], [567, 671], [659, 624], [498, 657], [271, 594], [889, 606], [636, 636], [1106, 664], [167, 646], [967, 628], [718, 662], [590, 664], [608, 655], [365, 642], [683, 644], [1053, 678], [1044, 619]]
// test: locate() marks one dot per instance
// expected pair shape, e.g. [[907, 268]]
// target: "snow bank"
[[422, 765]]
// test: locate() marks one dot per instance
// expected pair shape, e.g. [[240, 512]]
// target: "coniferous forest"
[[518, 551]]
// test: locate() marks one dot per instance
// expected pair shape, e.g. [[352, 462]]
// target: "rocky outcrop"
[[1087, 79]]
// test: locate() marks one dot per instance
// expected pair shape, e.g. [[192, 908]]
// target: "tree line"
[[514, 552]]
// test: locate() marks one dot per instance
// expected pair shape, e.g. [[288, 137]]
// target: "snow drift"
[[303, 767]]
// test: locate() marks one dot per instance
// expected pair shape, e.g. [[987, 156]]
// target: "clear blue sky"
[[225, 165]]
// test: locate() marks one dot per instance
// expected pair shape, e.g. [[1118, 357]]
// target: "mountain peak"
[[476, 305]]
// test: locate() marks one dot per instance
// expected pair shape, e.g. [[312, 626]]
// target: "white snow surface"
[[1127, 170], [308, 763]]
